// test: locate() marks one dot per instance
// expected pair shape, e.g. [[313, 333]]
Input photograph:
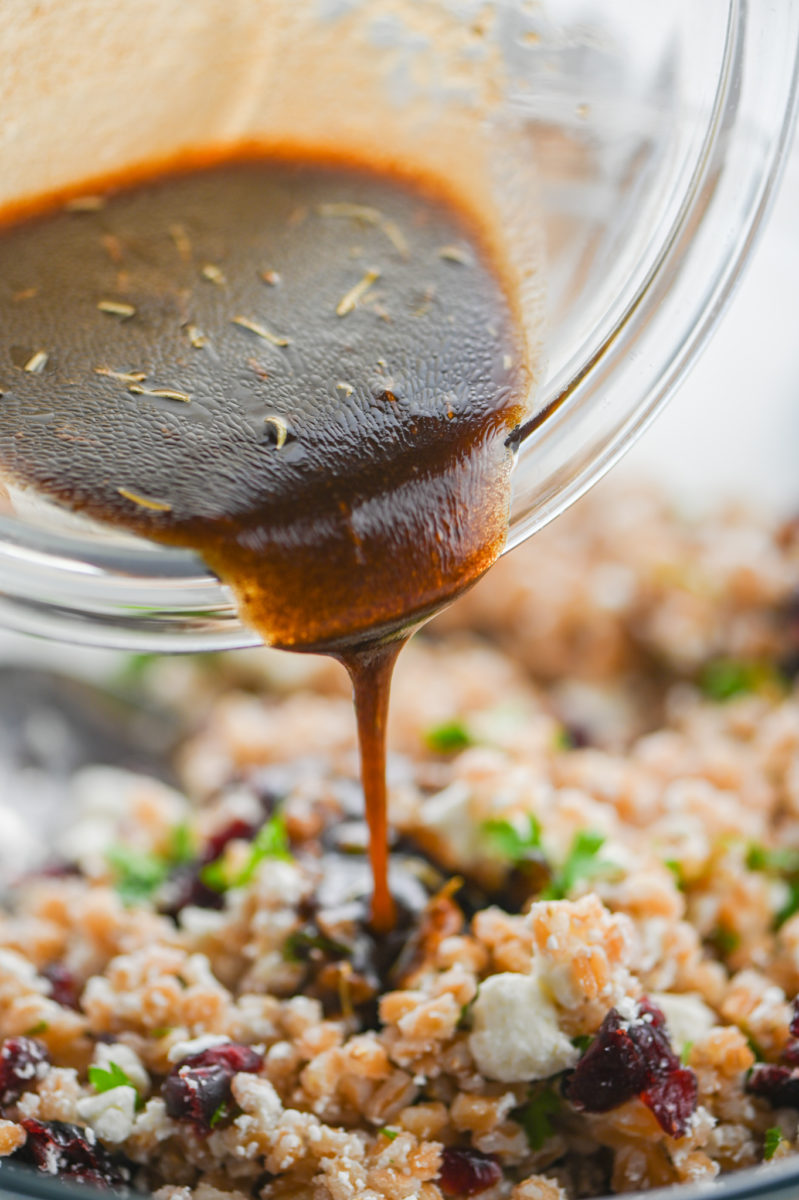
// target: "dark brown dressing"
[[307, 372]]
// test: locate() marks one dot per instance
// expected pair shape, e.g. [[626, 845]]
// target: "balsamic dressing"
[[308, 372]]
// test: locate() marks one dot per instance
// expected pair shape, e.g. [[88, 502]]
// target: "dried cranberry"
[[237, 829], [58, 1148], [467, 1172], [672, 1101], [195, 1088], [635, 1058], [64, 987], [778, 1085], [22, 1062]]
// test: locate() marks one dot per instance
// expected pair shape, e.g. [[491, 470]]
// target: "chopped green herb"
[[391, 1134], [791, 905], [39, 1027], [183, 846], [271, 841], [755, 1048], [685, 1053], [778, 859], [771, 1141], [724, 940], [535, 1117], [139, 873], [104, 1080], [214, 875], [582, 1042], [782, 861], [581, 863], [448, 737], [298, 945], [219, 1115], [513, 843], [724, 678], [562, 739], [675, 866]]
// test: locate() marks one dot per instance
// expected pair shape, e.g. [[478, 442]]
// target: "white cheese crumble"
[[515, 1034], [688, 1018], [111, 1114], [448, 815], [205, 1041]]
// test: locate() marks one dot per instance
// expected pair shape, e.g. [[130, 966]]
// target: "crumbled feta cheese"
[[110, 1114], [687, 1016], [19, 968], [205, 1041], [448, 816], [515, 1034]]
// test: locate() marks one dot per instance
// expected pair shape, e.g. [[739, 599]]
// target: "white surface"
[[732, 429]]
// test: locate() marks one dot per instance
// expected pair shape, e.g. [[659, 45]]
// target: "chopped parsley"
[[104, 1079], [271, 841], [724, 678], [562, 739], [535, 1117], [39, 1027], [391, 1134], [676, 868], [182, 844], [783, 862], [448, 738], [582, 1041], [685, 1053], [582, 862], [771, 1142], [220, 1112], [298, 945], [138, 873], [724, 940], [513, 843]]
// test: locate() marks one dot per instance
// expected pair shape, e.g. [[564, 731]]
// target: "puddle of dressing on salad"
[[305, 371]]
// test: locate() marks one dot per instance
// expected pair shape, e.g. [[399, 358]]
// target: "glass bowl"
[[625, 154]]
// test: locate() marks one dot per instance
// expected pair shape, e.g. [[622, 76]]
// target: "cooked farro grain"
[[601, 742]]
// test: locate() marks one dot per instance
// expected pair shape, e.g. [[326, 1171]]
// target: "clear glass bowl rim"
[[141, 596]]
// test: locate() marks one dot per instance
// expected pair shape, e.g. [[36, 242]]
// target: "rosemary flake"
[[261, 331], [85, 204], [214, 274], [281, 430], [182, 242], [112, 246], [37, 362], [121, 376], [369, 216], [116, 308], [162, 393], [195, 336], [356, 293], [455, 254], [145, 501]]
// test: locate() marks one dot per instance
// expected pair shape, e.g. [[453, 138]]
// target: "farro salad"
[[594, 782]]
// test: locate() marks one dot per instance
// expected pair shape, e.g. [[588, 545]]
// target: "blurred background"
[[732, 429]]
